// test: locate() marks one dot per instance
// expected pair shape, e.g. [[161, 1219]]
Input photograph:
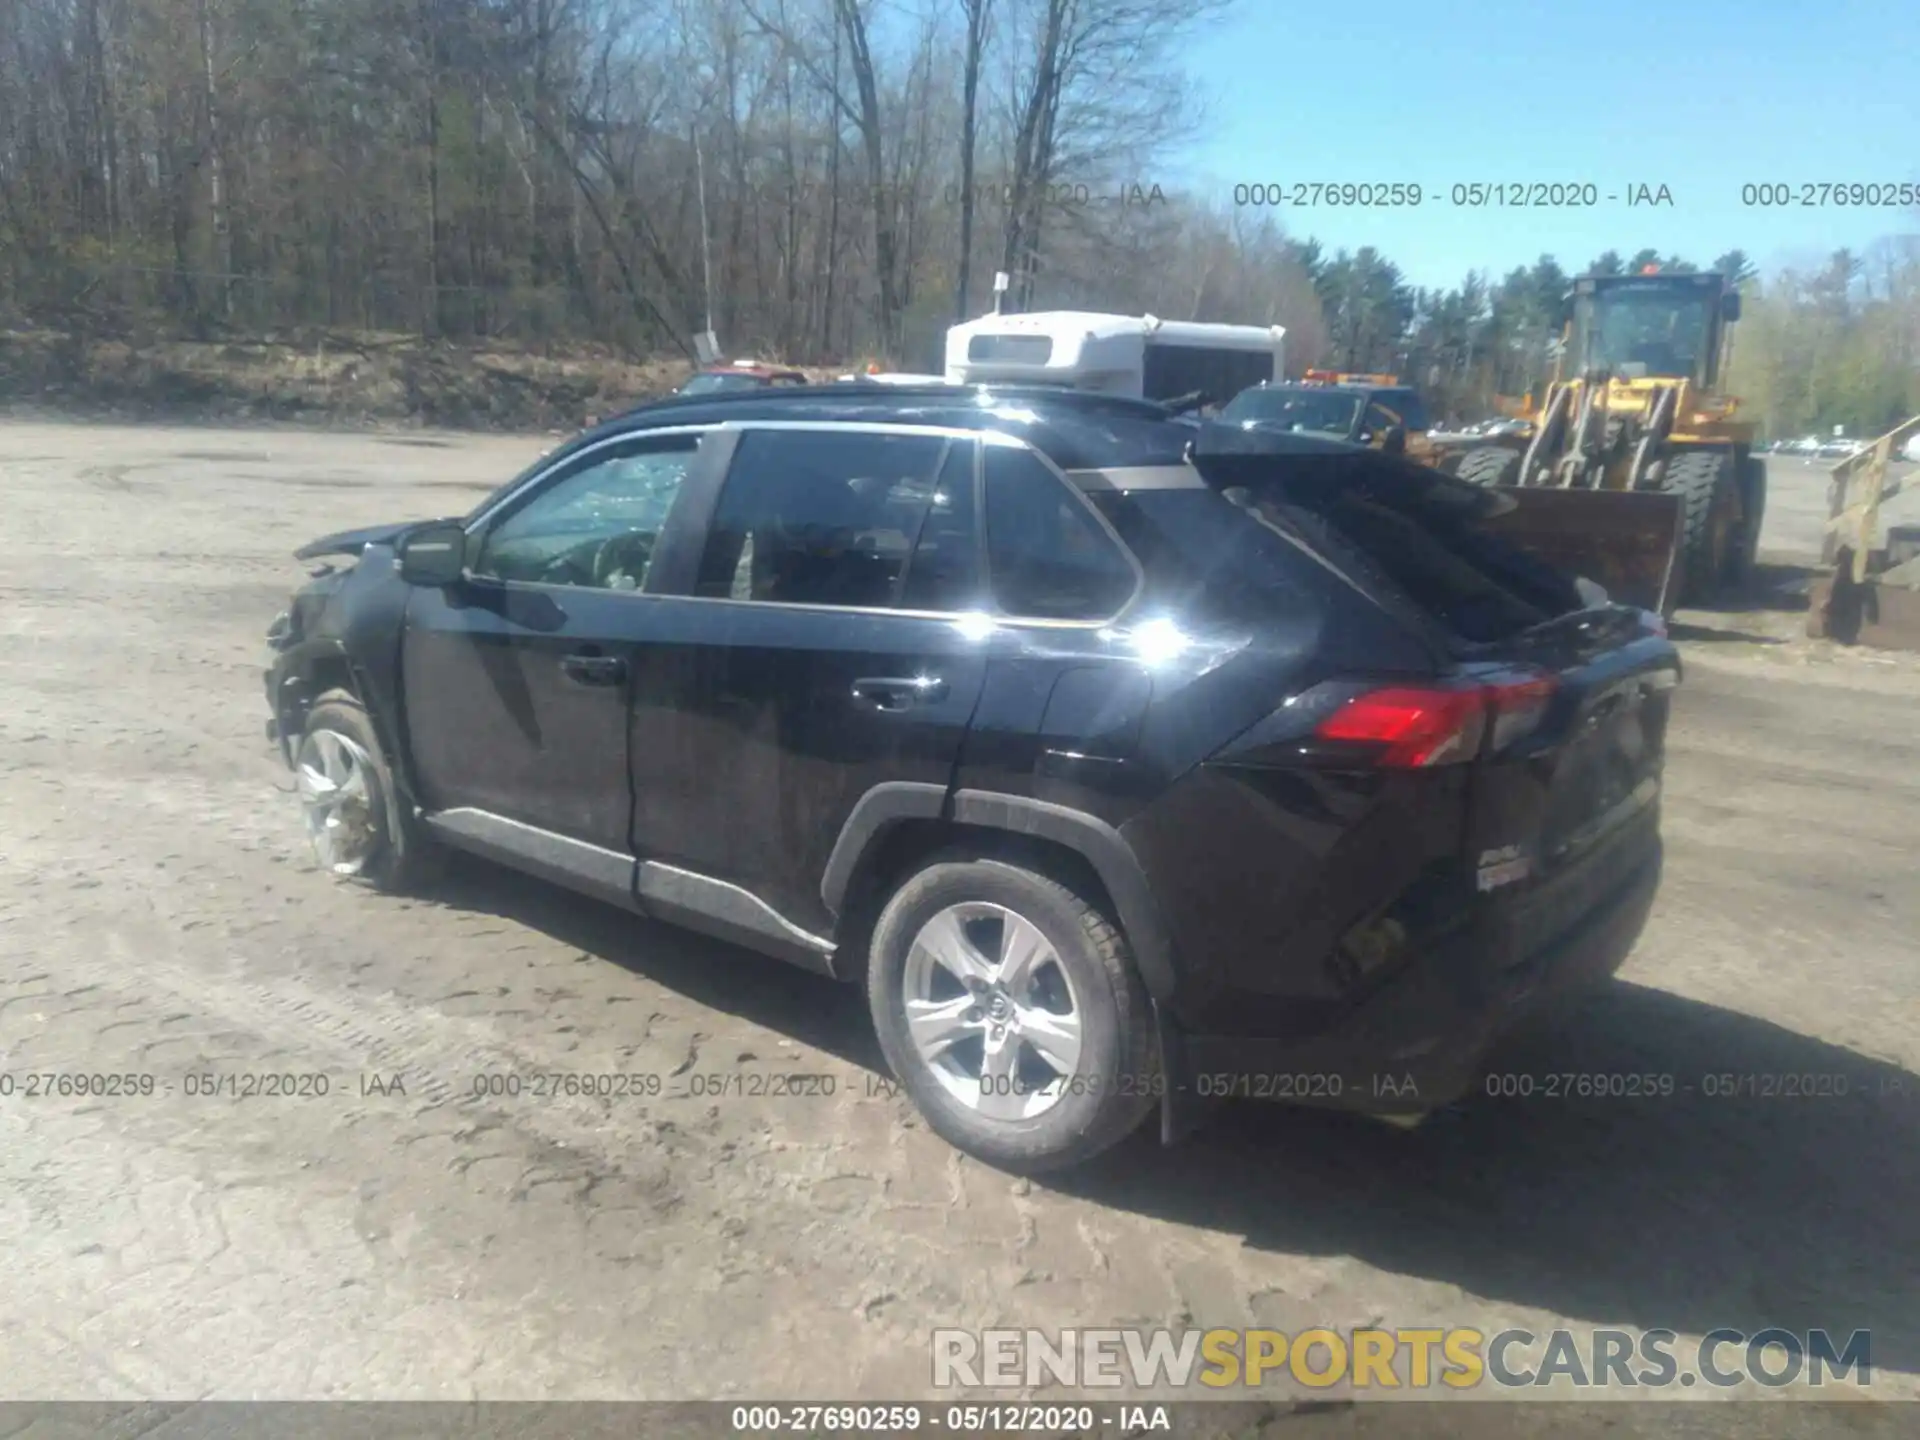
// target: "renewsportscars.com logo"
[[1400, 1359]]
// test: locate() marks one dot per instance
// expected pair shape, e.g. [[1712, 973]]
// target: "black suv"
[[1129, 761]]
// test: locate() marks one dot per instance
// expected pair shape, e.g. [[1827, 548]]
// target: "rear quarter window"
[[1206, 558], [1047, 556]]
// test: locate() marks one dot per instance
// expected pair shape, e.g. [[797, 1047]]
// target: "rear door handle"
[[899, 692], [590, 667]]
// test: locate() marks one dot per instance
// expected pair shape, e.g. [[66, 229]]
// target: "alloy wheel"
[[333, 775], [991, 1012]]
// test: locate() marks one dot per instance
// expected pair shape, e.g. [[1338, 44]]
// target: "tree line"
[[826, 180], [1837, 344]]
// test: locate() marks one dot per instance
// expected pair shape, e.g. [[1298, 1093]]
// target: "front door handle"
[[899, 692], [590, 667]]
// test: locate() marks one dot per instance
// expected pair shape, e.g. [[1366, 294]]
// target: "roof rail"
[[1064, 396]]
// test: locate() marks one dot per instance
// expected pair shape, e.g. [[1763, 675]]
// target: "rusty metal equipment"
[[1858, 487], [1862, 600], [1634, 555]]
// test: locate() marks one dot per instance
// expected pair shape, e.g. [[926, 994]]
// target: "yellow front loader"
[[1632, 469]]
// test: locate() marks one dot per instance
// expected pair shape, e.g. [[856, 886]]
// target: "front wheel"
[[1707, 487], [356, 821], [1009, 1008]]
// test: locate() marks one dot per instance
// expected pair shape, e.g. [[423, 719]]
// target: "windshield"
[[1648, 329], [708, 383], [1326, 412]]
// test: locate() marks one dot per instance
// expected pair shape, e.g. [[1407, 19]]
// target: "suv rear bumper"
[[1419, 1043]]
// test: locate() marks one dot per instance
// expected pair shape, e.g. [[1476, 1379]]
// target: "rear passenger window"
[[944, 573], [1048, 556], [820, 517]]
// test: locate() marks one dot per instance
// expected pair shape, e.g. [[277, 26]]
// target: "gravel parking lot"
[[396, 1237]]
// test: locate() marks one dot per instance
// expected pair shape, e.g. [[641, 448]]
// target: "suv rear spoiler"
[[1627, 542], [1228, 455]]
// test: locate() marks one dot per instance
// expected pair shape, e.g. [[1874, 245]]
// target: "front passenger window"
[[595, 527]]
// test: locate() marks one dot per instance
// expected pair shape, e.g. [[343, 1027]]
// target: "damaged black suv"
[[1128, 761]]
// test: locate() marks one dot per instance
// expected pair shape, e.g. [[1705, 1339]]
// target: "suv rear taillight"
[[1517, 707], [1420, 727], [1415, 728]]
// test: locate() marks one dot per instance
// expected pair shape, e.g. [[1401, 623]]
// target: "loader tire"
[[1705, 483], [1489, 465], [1753, 509]]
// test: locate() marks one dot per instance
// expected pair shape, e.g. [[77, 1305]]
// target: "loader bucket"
[[1626, 541]]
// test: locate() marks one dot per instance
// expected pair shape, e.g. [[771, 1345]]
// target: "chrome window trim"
[[865, 427], [949, 616], [1178, 476]]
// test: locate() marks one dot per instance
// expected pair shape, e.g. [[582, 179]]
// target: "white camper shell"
[[1136, 355]]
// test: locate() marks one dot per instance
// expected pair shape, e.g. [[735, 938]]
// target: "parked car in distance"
[[1128, 762], [740, 375], [1375, 410]]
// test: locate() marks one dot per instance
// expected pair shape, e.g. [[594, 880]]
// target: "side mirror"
[[433, 555], [1730, 306], [1395, 440]]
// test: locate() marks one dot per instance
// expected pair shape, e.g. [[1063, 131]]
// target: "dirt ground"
[[397, 1238]]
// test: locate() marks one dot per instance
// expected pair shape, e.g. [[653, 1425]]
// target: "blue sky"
[[1699, 95]]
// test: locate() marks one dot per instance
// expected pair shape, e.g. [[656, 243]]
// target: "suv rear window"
[[1406, 531]]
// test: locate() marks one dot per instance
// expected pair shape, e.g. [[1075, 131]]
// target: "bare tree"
[[513, 170], [1103, 90], [979, 14]]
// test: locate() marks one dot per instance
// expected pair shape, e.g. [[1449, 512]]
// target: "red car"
[[740, 375]]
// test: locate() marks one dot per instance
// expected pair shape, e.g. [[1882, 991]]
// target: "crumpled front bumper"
[[274, 679]]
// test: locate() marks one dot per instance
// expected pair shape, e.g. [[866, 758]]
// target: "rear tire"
[[1078, 977], [1705, 484], [360, 827], [1489, 465]]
